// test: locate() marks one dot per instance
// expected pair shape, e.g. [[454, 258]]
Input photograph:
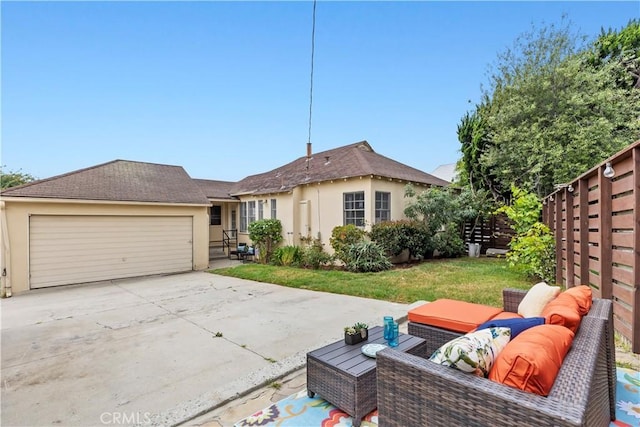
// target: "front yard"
[[478, 280]]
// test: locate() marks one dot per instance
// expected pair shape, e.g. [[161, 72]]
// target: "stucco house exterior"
[[125, 219]]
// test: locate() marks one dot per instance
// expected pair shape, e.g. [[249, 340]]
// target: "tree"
[[265, 234], [14, 178], [551, 113]]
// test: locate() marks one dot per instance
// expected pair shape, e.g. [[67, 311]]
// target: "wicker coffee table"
[[346, 378]]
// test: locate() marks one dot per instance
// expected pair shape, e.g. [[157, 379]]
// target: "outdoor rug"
[[298, 410]]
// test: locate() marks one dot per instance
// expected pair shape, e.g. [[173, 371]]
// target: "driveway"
[[159, 350]]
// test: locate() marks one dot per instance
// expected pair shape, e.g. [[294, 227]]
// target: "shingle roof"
[[119, 180], [352, 160], [216, 189]]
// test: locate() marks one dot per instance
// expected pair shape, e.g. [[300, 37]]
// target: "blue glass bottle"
[[388, 326], [393, 341]]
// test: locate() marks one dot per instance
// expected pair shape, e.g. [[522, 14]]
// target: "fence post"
[[557, 204], [569, 253], [583, 187], [605, 242]]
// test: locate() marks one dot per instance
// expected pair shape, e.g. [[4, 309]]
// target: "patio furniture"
[[415, 391], [346, 378]]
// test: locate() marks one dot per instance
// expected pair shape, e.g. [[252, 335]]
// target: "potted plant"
[[356, 333]]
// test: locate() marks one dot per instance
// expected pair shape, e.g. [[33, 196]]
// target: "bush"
[[342, 237], [396, 236], [448, 243], [532, 249], [313, 254], [287, 256], [364, 257], [265, 235], [390, 235]]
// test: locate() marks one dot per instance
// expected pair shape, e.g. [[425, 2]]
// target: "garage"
[[70, 249]]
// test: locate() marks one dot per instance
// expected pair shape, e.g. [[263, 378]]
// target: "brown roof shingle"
[[118, 180], [216, 189], [352, 160]]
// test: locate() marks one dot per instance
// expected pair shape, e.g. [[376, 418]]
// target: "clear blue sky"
[[222, 88]]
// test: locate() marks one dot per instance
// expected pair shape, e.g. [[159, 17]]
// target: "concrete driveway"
[[159, 350]]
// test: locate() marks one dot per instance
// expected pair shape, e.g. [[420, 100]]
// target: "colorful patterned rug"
[[298, 410]]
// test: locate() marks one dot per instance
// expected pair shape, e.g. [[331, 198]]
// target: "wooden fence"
[[494, 232], [596, 222]]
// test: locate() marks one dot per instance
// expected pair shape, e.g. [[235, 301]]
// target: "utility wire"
[[313, 39]]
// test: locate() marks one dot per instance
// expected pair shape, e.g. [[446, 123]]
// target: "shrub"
[[448, 242], [313, 254], [396, 236], [532, 249], [342, 237], [364, 257], [287, 256], [265, 235]]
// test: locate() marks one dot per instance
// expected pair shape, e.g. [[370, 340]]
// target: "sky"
[[223, 88]]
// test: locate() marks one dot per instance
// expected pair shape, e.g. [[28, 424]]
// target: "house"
[[447, 172], [125, 219]]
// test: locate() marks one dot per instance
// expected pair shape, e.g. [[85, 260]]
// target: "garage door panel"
[[79, 249]]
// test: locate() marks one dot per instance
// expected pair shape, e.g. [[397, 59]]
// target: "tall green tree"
[[552, 111]]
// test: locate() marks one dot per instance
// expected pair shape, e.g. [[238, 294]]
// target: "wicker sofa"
[[413, 391]]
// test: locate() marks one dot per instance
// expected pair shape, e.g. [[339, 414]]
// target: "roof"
[[446, 172], [353, 160], [118, 180], [216, 189]]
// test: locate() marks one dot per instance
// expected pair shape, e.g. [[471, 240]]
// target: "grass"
[[478, 280]]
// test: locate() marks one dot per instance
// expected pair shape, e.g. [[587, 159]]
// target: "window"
[[251, 212], [247, 215], [354, 208], [273, 209], [260, 209], [383, 207], [215, 215], [243, 217]]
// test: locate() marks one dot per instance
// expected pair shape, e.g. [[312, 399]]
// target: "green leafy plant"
[[287, 256], [342, 237], [448, 242], [357, 328], [532, 249], [265, 235], [397, 236], [313, 254], [364, 256]]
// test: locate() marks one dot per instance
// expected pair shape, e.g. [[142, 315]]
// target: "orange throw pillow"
[[563, 311], [532, 360], [583, 297]]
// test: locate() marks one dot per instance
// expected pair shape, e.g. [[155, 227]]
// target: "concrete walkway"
[[160, 350]]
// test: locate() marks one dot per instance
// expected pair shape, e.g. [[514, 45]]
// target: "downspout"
[[5, 258]]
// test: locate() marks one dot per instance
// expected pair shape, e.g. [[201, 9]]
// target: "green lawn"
[[478, 280]]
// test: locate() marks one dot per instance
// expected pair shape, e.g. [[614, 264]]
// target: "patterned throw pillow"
[[474, 352]]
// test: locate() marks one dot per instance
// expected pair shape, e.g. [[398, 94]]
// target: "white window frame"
[[353, 208], [274, 209], [383, 207]]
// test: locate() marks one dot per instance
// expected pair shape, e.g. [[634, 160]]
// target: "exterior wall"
[[15, 230]]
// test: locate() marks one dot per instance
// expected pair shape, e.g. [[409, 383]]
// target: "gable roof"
[[353, 160], [118, 180], [216, 189]]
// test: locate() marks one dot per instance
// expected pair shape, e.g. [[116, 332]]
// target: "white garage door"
[[77, 249]]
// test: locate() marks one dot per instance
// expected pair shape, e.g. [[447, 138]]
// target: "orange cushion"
[[583, 297], [563, 311], [459, 316], [506, 315], [531, 361]]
